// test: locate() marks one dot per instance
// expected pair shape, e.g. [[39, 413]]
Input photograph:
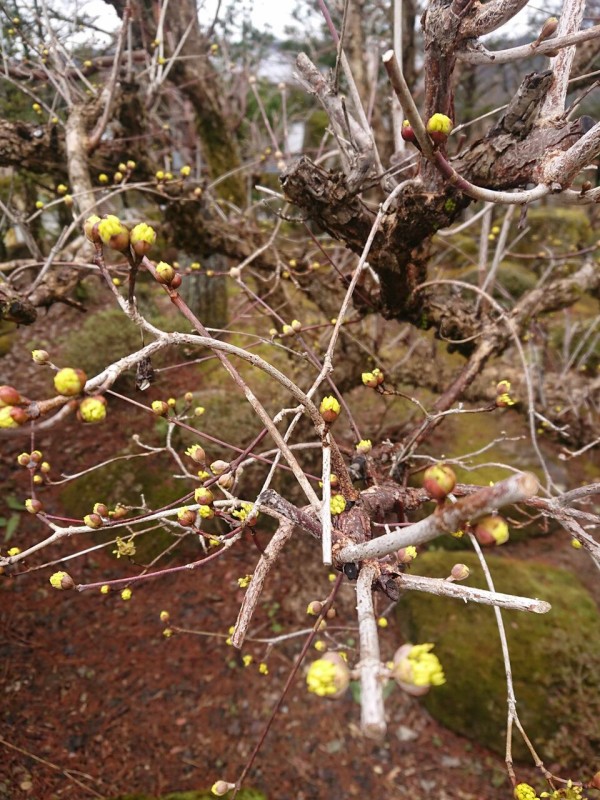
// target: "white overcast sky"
[[266, 15], [272, 15]]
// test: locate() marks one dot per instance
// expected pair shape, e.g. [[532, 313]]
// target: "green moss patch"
[[555, 658]]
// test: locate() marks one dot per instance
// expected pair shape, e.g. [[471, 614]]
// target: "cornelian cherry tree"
[[154, 163]]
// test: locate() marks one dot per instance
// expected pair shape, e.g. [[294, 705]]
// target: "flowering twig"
[[446, 519]]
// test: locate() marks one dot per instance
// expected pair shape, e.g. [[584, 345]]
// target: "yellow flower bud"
[[61, 580], [40, 357], [439, 124], [491, 529], [113, 233], [206, 512], [203, 496], [330, 408], [93, 409], [69, 381], [142, 238], [439, 480], [416, 668], [221, 788], [164, 272], [12, 417], [328, 676], [160, 408], [197, 454], [337, 504]]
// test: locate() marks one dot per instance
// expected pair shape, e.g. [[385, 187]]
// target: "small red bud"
[[491, 530], [439, 480], [33, 505], [203, 496], [9, 396], [119, 512], [19, 415], [408, 133], [186, 516]]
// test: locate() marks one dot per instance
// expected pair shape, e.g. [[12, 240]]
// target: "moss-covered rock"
[[125, 481], [516, 279], [108, 335], [7, 337], [104, 337], [555, 658], [558, 228]]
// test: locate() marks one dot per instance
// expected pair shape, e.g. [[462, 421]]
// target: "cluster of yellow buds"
[[416, 668], [93, 409], [69, 381], [406, 554], [167, 275], [111, 232], [142, 238], [337, 504], [328, 676], [523, 791], [125, 547], [503, 397], [244, 514]]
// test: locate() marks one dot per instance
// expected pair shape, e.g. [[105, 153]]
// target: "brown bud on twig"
[[548, 29]]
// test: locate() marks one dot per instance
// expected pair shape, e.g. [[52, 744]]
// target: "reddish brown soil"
[[97, 702]]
